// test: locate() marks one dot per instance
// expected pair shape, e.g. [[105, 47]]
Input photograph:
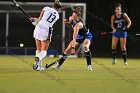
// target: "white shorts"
[[41, 32]]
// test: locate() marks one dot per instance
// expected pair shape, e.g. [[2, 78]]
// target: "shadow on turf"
[[117, 74]]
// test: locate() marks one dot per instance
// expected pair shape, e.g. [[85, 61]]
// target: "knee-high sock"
[[42, 54], [114, 53], [62, 59], [88, 57], [124, 53]]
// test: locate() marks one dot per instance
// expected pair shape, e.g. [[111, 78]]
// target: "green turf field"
[[17, 76]]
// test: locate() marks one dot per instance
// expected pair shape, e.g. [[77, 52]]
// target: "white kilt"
[[41, 32]]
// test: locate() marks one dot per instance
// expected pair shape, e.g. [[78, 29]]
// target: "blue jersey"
[[120, 23], [83, 33]]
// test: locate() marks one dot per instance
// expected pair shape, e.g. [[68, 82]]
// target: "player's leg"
[[123, 49], [86, 45], [44, 48], [45, 42], [43, 53], [114, 45], [44, 37], [64, 56], [38, 49]]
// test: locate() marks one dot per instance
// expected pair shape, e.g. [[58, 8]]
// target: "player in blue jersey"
[[80, 35], [120, 22]]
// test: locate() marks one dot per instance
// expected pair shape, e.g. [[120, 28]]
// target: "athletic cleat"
[[35, 65], [40, 68], [125, 63], [56, 66], [114, 62], [89, 68]]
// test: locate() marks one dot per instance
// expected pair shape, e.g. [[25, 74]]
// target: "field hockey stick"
[[49, 65], [24, 12], [138, 34], [134, 37], [105, 33]]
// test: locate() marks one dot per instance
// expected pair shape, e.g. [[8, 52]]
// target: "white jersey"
[[48, 19]]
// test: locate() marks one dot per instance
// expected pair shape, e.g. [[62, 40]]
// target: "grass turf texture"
[[17, 76]]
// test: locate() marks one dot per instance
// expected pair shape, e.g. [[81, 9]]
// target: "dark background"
[[101, 45]]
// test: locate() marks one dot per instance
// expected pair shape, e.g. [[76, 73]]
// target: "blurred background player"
[[120, 22], [80, 35], [43, 31]]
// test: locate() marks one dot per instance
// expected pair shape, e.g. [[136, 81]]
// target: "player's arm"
[[112, 22], [36, 20], [68, 22], [127, 20], [75, 33]]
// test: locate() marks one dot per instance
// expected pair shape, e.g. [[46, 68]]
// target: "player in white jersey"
[[49, 17], [43, 32]]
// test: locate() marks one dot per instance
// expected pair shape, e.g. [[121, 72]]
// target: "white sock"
[[42, 54], [40, 63], [37, 52]]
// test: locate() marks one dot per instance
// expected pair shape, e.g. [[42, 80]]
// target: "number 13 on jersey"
[[51, 18]]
